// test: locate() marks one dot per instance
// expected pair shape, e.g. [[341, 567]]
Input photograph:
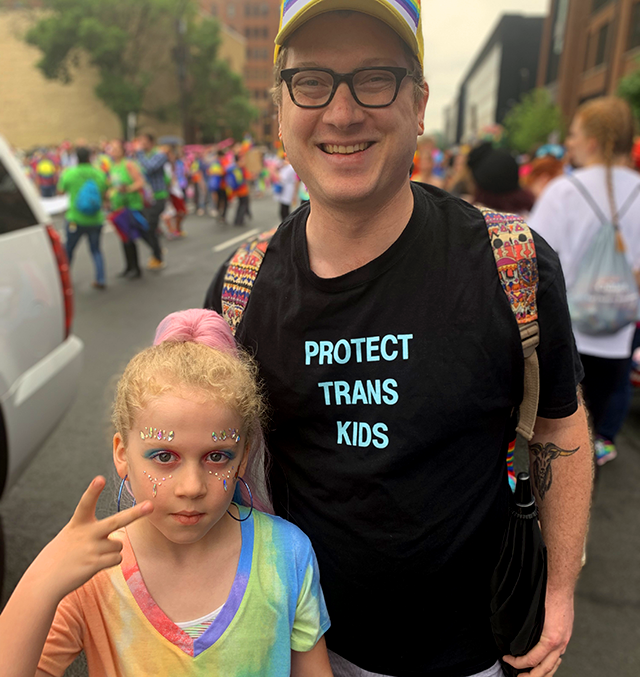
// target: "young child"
[[186, 582]]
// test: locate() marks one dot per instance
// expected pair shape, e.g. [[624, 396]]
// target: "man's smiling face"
[[347, 154]]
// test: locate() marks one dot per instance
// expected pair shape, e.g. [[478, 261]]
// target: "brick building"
[[257, 21], [587, 47]]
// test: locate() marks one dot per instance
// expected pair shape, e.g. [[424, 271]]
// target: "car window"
[[15, 213]]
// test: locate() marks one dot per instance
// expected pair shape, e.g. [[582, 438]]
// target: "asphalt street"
[[114, 324]]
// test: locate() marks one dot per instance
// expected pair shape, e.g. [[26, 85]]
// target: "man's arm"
[[561, 458]]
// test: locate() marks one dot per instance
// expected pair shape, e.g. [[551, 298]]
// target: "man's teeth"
[[344, 150]]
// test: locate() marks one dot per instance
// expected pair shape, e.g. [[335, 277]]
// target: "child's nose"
[[192, 483]]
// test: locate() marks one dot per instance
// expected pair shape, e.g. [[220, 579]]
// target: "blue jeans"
[[74, 233]]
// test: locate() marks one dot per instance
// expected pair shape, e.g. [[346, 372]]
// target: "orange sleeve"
[[65, 639]]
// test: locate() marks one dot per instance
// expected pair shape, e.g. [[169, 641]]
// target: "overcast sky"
[[454, 33]]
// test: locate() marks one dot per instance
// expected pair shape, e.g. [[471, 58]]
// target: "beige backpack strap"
[[515, 255], [241, 274]]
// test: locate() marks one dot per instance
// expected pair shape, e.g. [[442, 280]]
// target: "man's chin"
[[349, 193]]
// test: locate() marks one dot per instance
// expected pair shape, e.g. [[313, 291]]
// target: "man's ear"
[[280, 123], [422, 106], [120, 456]]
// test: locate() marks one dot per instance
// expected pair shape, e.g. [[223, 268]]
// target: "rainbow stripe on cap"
[[403, 16]]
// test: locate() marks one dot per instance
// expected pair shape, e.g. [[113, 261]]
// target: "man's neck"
[[341, 240]]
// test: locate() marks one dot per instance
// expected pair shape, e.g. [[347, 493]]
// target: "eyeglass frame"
[[400, 74]]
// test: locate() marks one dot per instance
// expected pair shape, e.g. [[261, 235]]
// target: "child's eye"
[[216, 457], [164, 457]]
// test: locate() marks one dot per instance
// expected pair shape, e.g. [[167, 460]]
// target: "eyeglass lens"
[[372, 87]]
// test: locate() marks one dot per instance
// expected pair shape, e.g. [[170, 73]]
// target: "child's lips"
[[187, 518]]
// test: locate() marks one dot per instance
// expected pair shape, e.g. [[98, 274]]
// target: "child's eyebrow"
[[150, 452]]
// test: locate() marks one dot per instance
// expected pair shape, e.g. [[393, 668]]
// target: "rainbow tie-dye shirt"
[[275, 605]]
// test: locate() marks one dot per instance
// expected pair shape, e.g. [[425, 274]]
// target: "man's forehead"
[[363, 63]]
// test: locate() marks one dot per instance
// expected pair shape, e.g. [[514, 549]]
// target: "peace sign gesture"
[[86, 545]]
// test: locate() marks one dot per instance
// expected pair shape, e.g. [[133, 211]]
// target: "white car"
[[40, 358]]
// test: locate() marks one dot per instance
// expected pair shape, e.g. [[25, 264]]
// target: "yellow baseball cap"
[[403, 16]]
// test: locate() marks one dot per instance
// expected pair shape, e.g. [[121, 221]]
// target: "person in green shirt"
[[126, 191], [86, 186]]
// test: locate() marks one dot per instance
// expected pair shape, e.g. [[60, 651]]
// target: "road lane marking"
[[236, 240]]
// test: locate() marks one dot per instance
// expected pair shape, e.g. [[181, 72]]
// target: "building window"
[[634, 33], [601, 52], [587, 56], [264, 9], [559, 27], [598, 5], [231, 11]]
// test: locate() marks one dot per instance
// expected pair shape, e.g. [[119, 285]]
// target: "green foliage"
[[530, 122], [629, 89], [128, 41], [218, 101]]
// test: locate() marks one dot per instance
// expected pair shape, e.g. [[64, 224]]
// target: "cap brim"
[[375, 8]]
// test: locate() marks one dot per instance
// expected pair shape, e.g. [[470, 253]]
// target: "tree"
[[136, 44], [122, 39], [629, 89], [530, 123], [217, 101]]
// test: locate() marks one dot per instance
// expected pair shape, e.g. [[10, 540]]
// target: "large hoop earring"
[[244, 519], [124, 479]]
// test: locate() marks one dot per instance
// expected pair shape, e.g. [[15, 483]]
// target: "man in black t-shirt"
[[393, 364]]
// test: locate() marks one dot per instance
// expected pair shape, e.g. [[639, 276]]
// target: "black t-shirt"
[[392, 389]]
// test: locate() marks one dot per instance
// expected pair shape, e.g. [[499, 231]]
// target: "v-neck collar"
[[163, 624]]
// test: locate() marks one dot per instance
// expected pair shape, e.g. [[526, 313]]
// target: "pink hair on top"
[[200, 326]]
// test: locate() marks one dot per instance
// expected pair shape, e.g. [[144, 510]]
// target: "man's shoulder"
[[447, 206]]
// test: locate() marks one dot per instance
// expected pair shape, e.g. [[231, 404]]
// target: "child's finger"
[[126, 517], [86, 509]]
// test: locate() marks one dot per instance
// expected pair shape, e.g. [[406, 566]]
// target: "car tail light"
[[65, 278]]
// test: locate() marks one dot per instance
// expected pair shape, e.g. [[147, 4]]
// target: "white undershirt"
[[197, 627]]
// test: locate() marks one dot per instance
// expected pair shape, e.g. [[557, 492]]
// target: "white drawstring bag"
[[605, 296]]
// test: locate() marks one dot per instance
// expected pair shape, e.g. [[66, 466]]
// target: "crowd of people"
[[398, 333], [145, 189]]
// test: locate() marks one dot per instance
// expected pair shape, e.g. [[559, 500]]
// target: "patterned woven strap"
[[515, 255], [240, 276]]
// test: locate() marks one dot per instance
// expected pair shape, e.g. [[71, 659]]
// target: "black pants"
[[601, 378], [152, 214], [131, 250], [285, 210], [222, 202], [243, 211]]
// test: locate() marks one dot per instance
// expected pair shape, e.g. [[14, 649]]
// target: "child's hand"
[[85, 545]]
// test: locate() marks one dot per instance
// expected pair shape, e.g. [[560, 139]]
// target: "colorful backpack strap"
[[241, 274], [515, 254]]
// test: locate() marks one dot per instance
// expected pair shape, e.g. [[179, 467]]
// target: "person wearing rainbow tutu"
[[393, 365]]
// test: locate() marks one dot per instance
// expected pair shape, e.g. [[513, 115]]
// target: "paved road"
[[116, 323]]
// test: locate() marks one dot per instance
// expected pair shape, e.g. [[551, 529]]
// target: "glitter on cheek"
[[226, 488]]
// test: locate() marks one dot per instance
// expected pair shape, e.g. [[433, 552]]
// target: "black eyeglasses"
[[370, 87]]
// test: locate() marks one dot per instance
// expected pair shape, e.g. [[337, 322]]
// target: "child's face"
[[188, 473]]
